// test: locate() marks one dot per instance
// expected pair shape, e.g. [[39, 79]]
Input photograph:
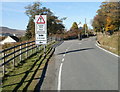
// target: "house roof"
[[15, 38]]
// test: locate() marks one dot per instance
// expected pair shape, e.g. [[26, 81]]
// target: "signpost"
[[41, 30]]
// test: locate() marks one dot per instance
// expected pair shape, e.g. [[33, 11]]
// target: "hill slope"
[[6, 30]]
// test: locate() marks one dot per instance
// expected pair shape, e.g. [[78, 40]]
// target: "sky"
[[13, 13]]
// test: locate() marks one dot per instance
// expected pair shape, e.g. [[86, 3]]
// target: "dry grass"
[[110, 43]]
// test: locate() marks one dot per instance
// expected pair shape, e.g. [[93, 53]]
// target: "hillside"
[[7, 31]]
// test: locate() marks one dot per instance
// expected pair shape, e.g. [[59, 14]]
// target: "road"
[[81, 65]]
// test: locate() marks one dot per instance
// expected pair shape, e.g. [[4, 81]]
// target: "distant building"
[[10, 39]]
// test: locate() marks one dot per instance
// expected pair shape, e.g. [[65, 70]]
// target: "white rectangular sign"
[[41, 42], [41, 37], [41, 29]]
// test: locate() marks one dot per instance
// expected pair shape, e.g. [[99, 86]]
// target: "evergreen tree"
[[54, 25]]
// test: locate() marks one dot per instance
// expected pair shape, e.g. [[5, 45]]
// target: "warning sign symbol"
[[40, 20]]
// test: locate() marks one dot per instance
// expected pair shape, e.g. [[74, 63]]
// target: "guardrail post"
[[3, 62], [20, 53], [14, 57], [26, 50]]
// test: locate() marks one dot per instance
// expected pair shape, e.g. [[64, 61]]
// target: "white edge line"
[[98, 45], [62, 59], [59, 77]]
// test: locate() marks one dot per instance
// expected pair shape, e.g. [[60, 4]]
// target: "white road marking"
[[62, 59], [79, 43], [63, 55], [60, 70], [98, 45], [59, 77]]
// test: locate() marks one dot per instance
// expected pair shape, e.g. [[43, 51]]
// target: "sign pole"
[[44, 50]]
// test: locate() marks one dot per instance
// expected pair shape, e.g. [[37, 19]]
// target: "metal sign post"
[[44, 50], [41, 30]]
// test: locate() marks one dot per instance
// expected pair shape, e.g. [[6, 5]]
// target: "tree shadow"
[[75, 51], [58, 44]]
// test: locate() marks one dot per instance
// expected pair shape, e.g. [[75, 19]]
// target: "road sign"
[[40, 20], [41, 42], [41, 37], [41, 29]]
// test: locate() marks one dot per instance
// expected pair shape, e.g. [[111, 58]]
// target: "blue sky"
[[13, 15]]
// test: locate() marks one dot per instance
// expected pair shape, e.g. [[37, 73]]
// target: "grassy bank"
[[27, 74], [110, 42]]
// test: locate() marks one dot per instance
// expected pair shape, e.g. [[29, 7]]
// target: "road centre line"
[[63, 59], [60, 71], [63, 55], [59, 77]]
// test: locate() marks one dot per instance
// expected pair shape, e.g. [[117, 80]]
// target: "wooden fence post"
[[14, 57], [26, 50], [36, 49], [20, 53], [32, 48], [3, 62]]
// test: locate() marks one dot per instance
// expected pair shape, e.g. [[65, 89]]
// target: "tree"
[[30, 33], [108, 17], [74, 26], [53, 23], [85, 28]]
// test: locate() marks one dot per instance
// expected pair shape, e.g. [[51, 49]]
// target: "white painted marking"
[[60, 71], [98, 45], [79, 43], [59, 77], [62, 59], [63, 55]]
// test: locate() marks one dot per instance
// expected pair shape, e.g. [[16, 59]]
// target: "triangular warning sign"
[[40, 20]]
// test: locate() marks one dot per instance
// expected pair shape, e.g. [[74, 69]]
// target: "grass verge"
[[26, 75]]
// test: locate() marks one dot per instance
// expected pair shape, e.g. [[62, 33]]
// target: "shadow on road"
[[75, 51]]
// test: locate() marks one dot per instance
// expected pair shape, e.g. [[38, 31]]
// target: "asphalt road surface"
[[81, 65]]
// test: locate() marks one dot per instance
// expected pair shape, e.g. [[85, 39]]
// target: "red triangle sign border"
[[40, 22]]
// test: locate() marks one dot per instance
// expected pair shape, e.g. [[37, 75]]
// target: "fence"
[[17, 54]]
